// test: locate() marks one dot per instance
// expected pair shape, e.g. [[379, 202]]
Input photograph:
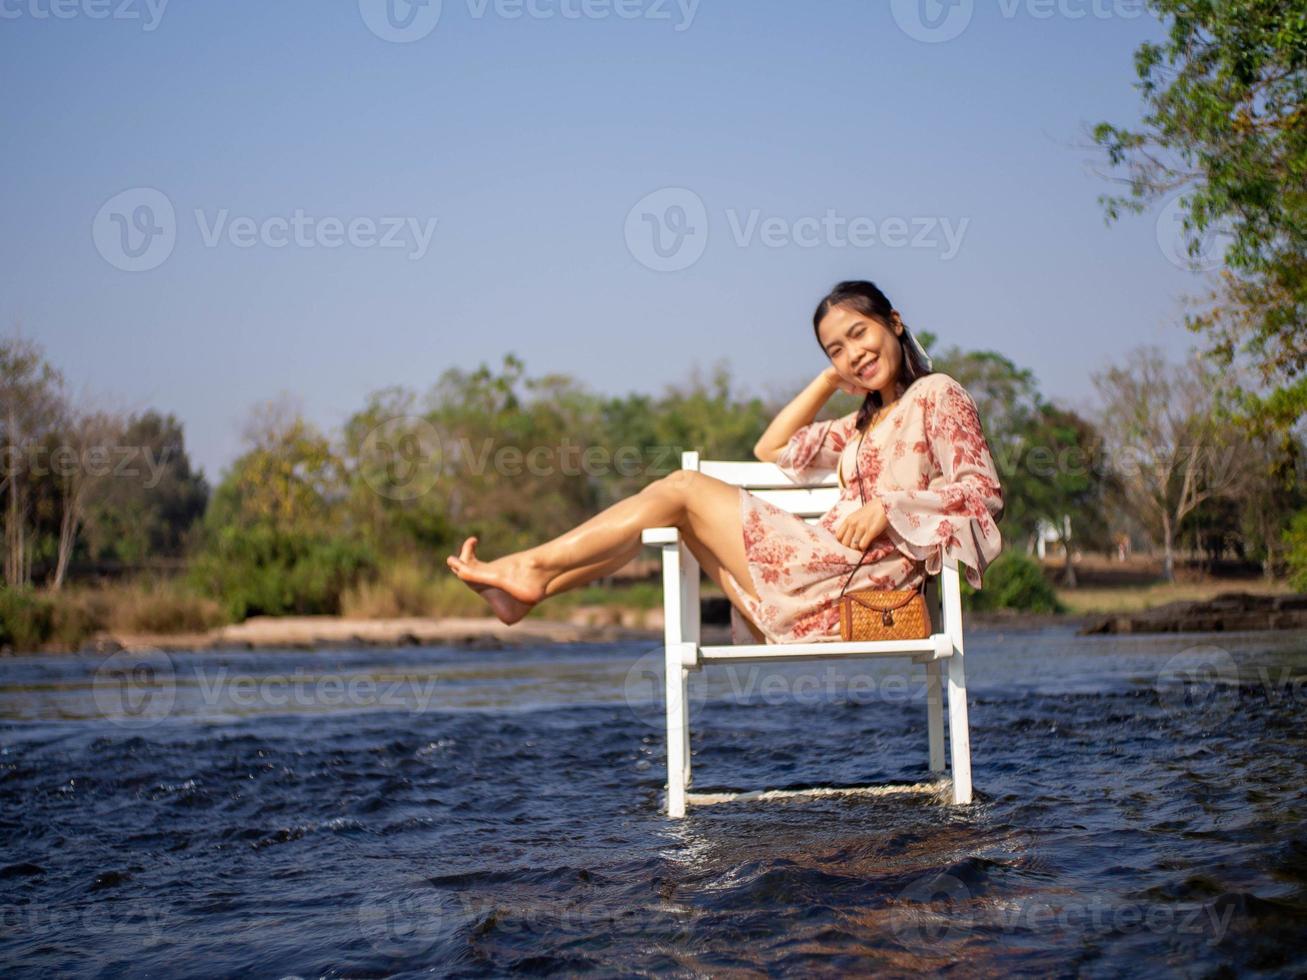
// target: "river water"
[[436, 811]]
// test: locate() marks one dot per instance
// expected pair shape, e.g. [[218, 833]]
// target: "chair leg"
[[677, 717], [935, 715], [959, 734], [685, 726]]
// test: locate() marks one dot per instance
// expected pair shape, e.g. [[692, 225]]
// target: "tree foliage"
[[1226, 123], [277, 537]]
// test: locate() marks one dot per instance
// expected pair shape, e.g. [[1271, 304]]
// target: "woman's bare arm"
[[794, 416]]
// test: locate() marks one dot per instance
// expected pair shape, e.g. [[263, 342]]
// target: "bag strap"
[[861, 600], [857, 475]]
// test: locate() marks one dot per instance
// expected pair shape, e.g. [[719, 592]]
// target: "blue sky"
[[478, 180]]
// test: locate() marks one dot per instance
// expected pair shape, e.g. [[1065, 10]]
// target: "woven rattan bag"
[[879, 614]]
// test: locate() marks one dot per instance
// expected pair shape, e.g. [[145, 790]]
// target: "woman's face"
[[862, 351]]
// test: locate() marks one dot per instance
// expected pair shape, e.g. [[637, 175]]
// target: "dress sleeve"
[[813, 451], [958, 509]]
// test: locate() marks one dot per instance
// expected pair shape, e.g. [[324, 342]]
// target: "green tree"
[[278, 537], [512, 448], [1170, 449], [1277, 488], [31, 405], [397, 497], [1047, 457], [1295, 541], [151, 508], [1226, 122], [709, 416], [1061, 480]]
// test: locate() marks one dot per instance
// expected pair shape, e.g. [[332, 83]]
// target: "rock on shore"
[[1227, 612]]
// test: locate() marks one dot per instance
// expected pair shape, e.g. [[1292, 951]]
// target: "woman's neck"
[[891, 394]]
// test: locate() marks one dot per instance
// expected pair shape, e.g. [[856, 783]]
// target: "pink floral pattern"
[[929, 465]]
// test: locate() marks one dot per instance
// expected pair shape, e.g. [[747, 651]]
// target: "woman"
[[922, 484]]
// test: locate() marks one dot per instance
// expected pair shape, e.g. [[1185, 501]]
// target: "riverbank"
[[313, 632], [1226, 612], [614, 623], [606, 624]]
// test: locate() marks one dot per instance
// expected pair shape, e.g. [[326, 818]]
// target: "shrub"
[[632, 595], [260, 571], [1295, 538], [79, 613], [407, 588], [168, 606], [1012, 581], [26, 619]]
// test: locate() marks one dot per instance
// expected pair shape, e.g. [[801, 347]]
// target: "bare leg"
[[590, 573], [698, 504], [712, 567]]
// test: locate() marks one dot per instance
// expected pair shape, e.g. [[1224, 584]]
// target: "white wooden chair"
[[685, 652]]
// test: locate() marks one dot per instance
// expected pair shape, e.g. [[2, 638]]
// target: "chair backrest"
[[808, 500], [767, 481]]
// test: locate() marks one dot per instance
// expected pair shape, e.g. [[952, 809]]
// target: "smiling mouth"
[[866, 371]]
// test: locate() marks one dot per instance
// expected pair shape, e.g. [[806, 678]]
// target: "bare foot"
[[509, 588]]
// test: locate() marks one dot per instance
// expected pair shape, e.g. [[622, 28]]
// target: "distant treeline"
[[307, 522]]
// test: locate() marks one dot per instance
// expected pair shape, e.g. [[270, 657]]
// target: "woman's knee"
[[674, 493], [679, 484]]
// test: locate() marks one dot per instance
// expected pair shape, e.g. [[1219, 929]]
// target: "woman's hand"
[[833, 378], [863, 526]]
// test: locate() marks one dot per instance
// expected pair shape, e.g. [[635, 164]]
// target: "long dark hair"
[[865, 298]]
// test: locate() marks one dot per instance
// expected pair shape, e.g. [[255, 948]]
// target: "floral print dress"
[[925, 460]]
